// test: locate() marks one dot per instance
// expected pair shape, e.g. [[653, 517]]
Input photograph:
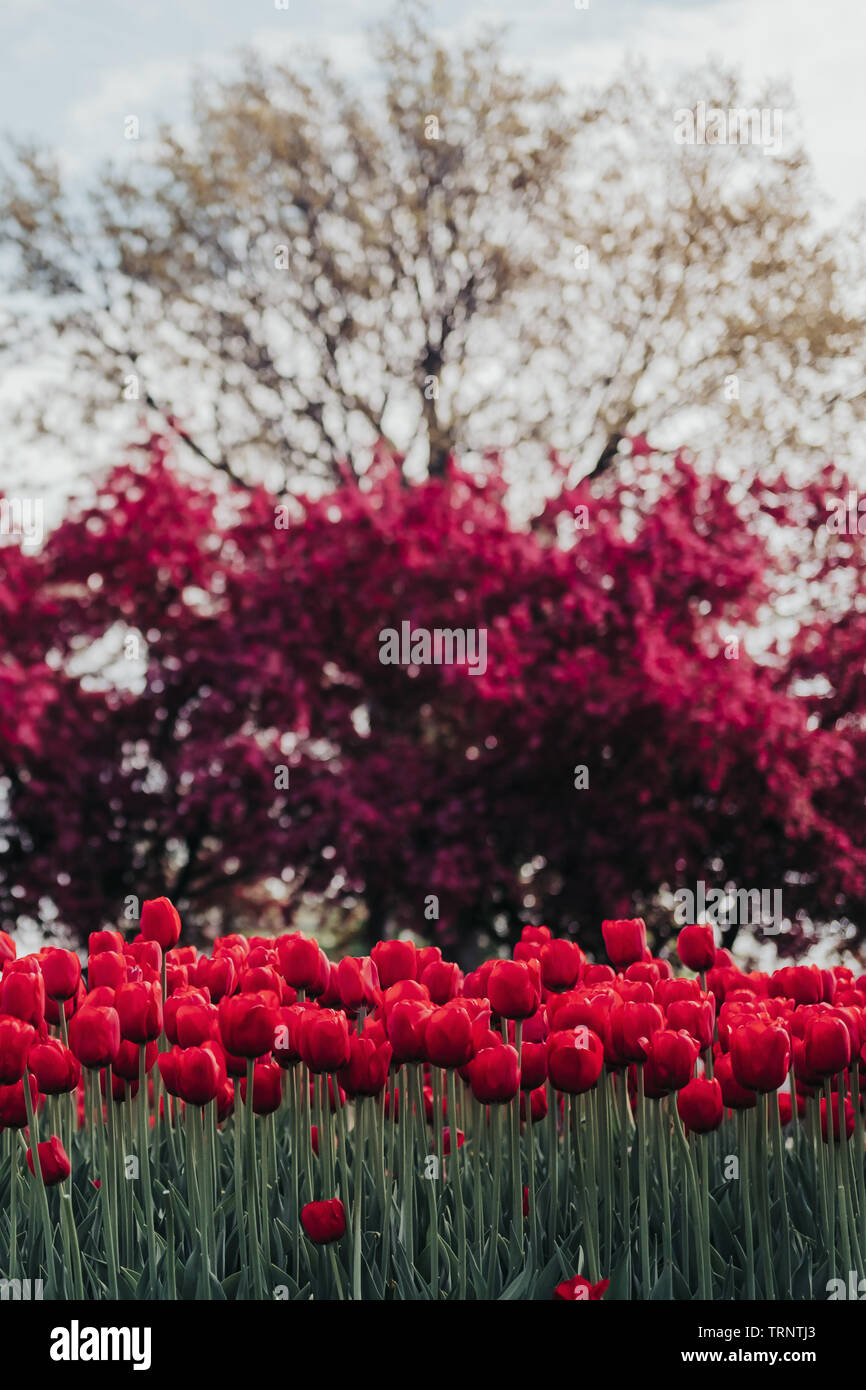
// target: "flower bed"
[[261, 1123]]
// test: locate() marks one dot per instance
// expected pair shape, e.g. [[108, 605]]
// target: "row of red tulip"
[[158, 1021]]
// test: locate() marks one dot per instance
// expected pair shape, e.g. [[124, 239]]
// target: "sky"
[[73, 72]]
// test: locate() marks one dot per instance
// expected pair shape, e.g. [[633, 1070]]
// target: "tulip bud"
[[160, 921], [324, 1222]]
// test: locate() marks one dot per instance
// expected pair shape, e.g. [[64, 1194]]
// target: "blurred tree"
[[209, 715], [449, 257]]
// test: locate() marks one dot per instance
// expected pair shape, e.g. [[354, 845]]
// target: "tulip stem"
[[357, 1294], [264, 1189], [858, 1155], [12, 1149], [407, 1177], [605, 1100], [252, 1183], [33, 1124], [779, 1154], [432, 1184], [764, 1196], [643, 1214], [497, 1198], [701, 1251], [457, 1180], [625, 1178], [105, 1195], [335, 1269], [243, 1243], [194, 1179], [553, 1161], [830, 1172], [144, 1151], [746, 1193], [661, 1141], [530, 1165], [69, 1235], [291, 1081]]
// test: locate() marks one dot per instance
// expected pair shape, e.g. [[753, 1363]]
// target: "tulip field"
[[262, 1123]]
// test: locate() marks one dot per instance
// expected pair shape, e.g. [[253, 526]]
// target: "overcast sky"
[[73, 71]]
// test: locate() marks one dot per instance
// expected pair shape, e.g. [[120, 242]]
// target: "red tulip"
[[56, 1068], [735, 1096], [169, 1070], [494, 1075], [287, 1036], [446, 1140], [139, 1007], [147, 954], [625, 940], [802, 983], [696, 947], [324, 1040], [218, 975], [367, 1068], [109, 969], [61, 971], [694, 1016], [100, 941], [16, 1040], [448, 1036], [358, 983], [786, 1107], [670, 1062], [195, 1022], [537, 1104], [827, 1045], [580, 1290], [406, 1026], [247, 1024], [13, 1107], [760, 1055], [53, 1161], [514, 989], [22, 994], [574, 1059], [184, 994], [533, 1065], [324, 1221], [699, 1104], [598, 975], [267, 1086], [125, 1062], [94, 1035], [561, 963], [630, 1025], [301, 960], [394, 960], [160, 921], [442, 979], [536, 935], [225, 1100]]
